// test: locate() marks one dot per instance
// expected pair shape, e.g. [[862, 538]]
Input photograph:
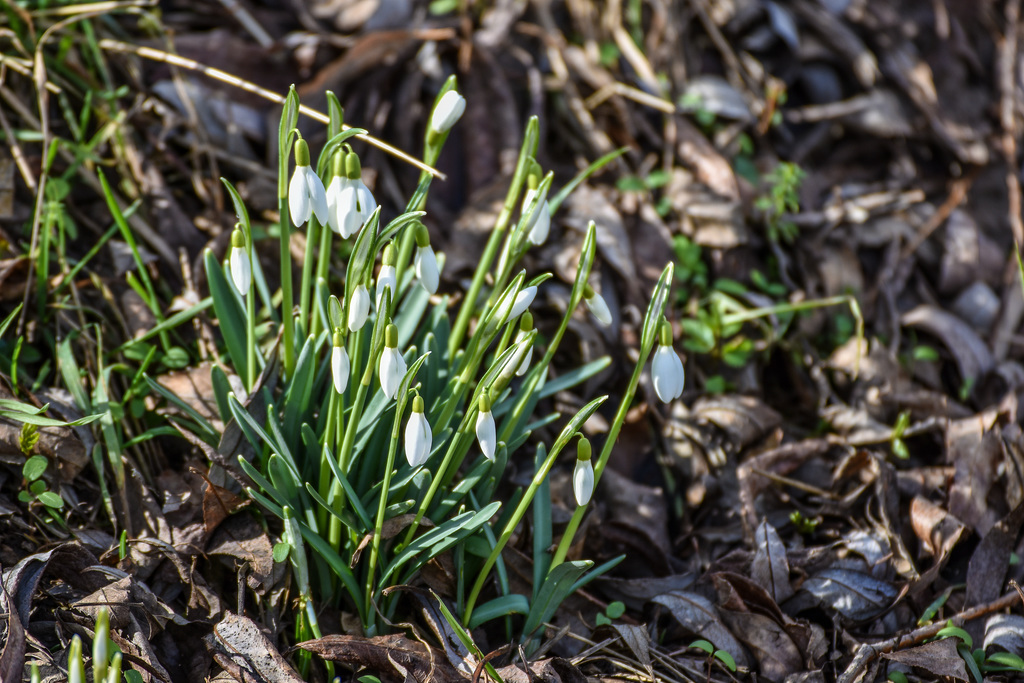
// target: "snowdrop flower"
[[523, 300], [485, 430], [358, 308], [426, 262], [597, 305], [306, 194], [448, 110], [537, 232], [583, 475], [525, 327], [339, 363], [392, 364], [349, 202], [387, 277], [241, 269], [666, 368], [417, 435]]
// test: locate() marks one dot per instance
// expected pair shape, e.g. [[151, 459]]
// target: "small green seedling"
[[978, 662], [612, 612], [898, 445], [714, 653], [804, 525], [37, 491], [782, 198]]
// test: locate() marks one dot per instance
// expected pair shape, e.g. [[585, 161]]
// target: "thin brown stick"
[[870, 651], [248, 86], [955, 198]]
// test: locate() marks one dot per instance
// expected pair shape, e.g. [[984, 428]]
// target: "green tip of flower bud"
[[237, 239], [301, 153], [338, 164], [337, 337], [353, 170], [485, 403], [391, 336], [422, 236], [526, 322], [390, 258], [533, 179], [417, 404], [583, 449], [588, 291], [665, 334]]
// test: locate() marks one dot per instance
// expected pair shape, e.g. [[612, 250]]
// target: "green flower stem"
[[468, 306], [325, 483], [383, 503], [313, 230], [287, 300], [652, 321], [322, 268], [525, 502]]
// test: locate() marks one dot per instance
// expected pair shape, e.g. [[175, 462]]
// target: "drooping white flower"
[[597, 305], [583, 474], [387, 277], [666, 368], [486, 433], [392, 365], [523, 300], [340, 365], [306, 194], [241, 268], [449, 109], [537, 231], [358, 307], [417, 435], [426, 262]]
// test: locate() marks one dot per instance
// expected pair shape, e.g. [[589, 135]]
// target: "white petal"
[[348, 218], [539, 232], [333, 194], [426, 269], [317, 195], [417, 439], [524, 298], [448, 110], [299, 205], [583, 481], [340, 368], [665, 372], [680, 374], [241, 270], [358, 308], [486, 434], [386, 279], [599, 307], [367, 204], [392, 370], [525, 364]]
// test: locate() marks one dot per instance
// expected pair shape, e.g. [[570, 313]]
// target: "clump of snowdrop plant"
[[330, 392]]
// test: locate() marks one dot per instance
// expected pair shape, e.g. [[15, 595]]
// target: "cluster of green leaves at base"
[[360, 523]]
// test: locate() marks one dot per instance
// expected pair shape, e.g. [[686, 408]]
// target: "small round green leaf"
[[726, 659], [51, 500], [34, 467], [703, 645], [281, 551], [615, 610]]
